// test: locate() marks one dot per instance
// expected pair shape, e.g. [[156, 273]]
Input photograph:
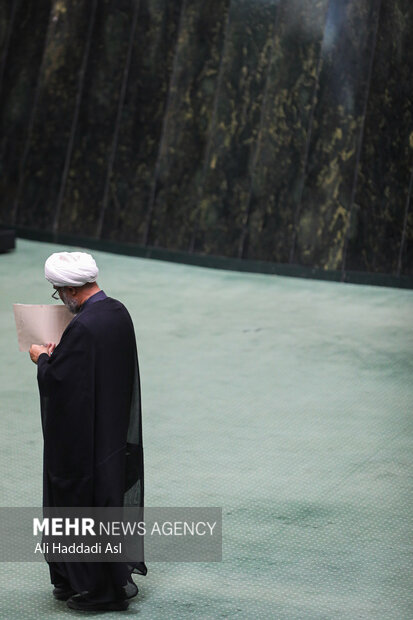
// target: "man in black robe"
[[91, 419]]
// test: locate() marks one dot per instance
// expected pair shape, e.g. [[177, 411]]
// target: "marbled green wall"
[[93, 134], [40, 179], [23, 38], [277, 175], [187, 118], [383, 196], [132, 182], [277, 130], [235, 127], [321, 213]]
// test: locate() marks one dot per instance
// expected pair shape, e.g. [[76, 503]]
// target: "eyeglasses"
[[55, 295]]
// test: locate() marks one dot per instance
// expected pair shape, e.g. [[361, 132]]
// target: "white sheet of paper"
[[40, 324]]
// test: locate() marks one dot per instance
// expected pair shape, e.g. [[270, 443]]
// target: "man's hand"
[[50, 347], [38, 349]]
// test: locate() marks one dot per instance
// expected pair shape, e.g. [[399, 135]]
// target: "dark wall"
[[278, 130]]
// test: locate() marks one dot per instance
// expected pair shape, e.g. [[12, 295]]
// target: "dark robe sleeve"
[[67, 392]]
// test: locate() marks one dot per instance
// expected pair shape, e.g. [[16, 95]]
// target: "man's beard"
[[71, 304]]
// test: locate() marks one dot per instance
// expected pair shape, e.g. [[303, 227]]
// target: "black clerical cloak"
[[92, 429]]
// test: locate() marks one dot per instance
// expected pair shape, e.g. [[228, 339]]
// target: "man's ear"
[[73, 290]]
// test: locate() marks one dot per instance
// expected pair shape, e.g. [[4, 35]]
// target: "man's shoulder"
[[108, 303], [107, 309], [102, 305]]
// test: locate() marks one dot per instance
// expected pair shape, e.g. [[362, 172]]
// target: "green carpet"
[[287, 402]]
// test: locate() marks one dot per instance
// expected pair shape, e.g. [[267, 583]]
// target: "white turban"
[[70, 269]]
